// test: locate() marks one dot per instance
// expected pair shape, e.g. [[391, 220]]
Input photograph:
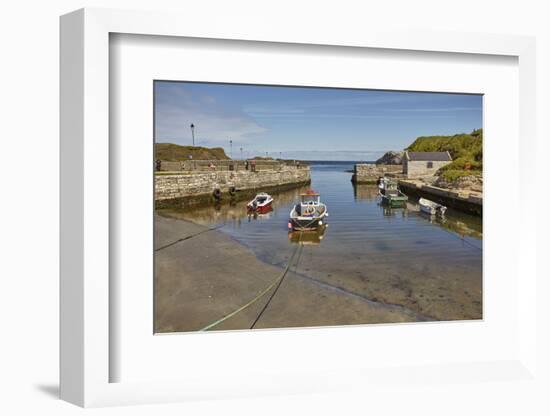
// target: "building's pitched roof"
[[429, 156]]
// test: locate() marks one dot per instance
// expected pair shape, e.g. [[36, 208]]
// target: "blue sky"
[[307, 123]]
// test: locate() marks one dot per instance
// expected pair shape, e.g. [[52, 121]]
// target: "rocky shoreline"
[[470, 183]]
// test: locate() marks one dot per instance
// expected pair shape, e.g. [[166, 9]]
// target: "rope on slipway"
[[189, 237], [276, 282], [299, 251]]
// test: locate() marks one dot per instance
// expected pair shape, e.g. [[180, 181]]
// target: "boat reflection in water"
[[389, 211], [235, 212], [455, 222], [307, 237], [257, 215]]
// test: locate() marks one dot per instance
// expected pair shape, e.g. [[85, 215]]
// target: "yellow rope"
[[259, 296], [263, 292]]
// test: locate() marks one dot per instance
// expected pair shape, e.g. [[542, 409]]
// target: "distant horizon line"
[[290, 151]]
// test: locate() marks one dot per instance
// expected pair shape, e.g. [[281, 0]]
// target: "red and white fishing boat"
[[310, 214], [261, 204]]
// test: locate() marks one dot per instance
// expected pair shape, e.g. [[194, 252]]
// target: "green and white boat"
[[390, 193]]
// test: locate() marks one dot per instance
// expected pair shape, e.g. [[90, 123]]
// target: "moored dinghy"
[[432, 208], [260, 204], [309, 214]]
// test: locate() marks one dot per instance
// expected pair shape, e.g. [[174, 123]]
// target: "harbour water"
[[431, 268]]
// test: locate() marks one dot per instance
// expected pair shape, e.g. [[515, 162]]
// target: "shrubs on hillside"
[[176, 153], [465, 149]]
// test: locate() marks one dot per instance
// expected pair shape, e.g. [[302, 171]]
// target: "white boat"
[[260, 204], [309, 214], [432, 208]]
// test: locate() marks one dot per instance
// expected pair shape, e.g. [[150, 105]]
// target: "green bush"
[[463, 163], [465, 149], [175, 153], [458, 145]]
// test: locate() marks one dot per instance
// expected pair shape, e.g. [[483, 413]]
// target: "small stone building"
[[417, 164]]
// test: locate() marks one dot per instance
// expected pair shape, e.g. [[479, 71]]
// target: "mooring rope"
[[299, 251], [189, 237], [277, 282]]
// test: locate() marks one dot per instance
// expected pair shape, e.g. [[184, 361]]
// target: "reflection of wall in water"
[[365, 192], [235, 212], [197, 188]]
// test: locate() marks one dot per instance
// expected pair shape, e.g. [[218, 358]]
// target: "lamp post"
[[241, 153], [193, 133], [231, 149]]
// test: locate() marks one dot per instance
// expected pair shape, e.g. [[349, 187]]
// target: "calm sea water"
[[399, 256]]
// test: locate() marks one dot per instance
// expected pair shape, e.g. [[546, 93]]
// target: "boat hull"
[[427, 210], [394, 202], [431, 208], [308, 224], [263, 209]]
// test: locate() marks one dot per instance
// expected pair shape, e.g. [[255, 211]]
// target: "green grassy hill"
[[175, 153], [465, 149]]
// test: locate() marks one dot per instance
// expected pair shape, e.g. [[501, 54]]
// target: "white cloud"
[[176, 108]]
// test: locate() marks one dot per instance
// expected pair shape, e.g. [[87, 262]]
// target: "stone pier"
[[370, 172], [469, 202], [188, 188]]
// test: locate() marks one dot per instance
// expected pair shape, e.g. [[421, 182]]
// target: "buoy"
[[289, 225]]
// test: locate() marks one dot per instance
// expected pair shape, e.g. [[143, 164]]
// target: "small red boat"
[[261, 204]]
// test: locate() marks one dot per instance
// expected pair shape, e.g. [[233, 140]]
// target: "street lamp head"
[[192, 126]]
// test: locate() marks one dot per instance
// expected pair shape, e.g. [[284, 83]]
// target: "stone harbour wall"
[[465, 201], [217, 165], [196, 188], [370, 172]]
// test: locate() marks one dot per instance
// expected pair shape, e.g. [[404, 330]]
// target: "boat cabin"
[[310, 204], [261, 198], [310, 199], [387, 186], [390, 188]]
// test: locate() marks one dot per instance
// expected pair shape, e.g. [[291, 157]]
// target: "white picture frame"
[[86, 356]]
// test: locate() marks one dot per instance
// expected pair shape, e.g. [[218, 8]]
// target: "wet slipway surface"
[[372, 264]]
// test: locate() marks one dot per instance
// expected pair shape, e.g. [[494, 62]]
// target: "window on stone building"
[[430, 165]]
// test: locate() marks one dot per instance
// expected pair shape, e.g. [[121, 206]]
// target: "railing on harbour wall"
[[225, 165]]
